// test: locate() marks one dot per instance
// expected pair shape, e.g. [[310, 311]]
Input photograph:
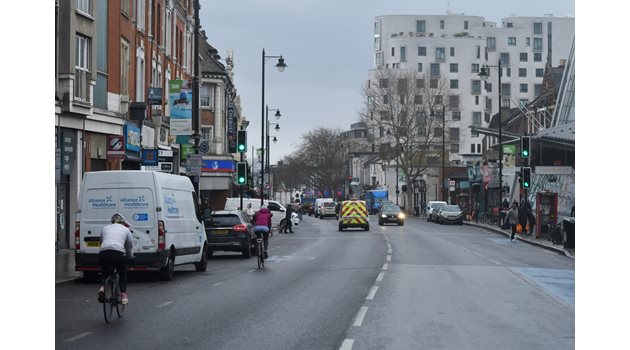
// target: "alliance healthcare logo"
[[134, 202], [102, 203]]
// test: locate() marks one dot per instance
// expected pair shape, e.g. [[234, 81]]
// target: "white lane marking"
[[494, 261], [217, 284], [466, 249], [164, 304], [380, 277], [358, 321], [389, 251], [347, 344], [252, 270], [77, 337], [478, 254], [385, 266], [389, 258], [372, 293]]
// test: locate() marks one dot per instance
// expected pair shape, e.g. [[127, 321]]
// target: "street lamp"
[[443, 187], [397, 157], [277, 128], [484, 74], [281, 66]]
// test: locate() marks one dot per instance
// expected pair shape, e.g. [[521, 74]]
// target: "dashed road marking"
[[358, 321], [217, 284], [372, 293], [479, 254], [164, 304], [347, 344], [76, 337], [494, 261], [385, 266], [380, 277], [389, 258]]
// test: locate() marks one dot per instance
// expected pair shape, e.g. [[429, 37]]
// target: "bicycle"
[[260, 251], [112, 298]]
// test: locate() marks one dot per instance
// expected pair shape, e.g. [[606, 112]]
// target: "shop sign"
[[132, 137], [115, 147]]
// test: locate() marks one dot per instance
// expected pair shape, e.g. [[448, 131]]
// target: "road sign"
[[204, 147], [193, 165], [115, 146]]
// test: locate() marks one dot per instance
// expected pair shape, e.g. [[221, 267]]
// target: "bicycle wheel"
[[120, 307], [260, 253], [109, 300]]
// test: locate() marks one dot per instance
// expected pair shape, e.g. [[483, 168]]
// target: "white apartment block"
[[458, 46]]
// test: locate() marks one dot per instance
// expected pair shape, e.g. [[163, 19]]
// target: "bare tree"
[[404, 110]]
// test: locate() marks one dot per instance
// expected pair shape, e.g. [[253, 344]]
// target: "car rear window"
[[330, 205], [225, 220]]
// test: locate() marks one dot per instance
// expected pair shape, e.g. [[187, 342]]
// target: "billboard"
[[180, 100]]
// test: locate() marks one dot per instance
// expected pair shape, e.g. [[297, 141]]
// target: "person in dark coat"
[[531, 218], [522, 216], [287, 217]]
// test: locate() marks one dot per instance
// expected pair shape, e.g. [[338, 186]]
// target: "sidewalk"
[[64, 266]]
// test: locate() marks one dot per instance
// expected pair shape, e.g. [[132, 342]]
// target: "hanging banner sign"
[[180, 100]]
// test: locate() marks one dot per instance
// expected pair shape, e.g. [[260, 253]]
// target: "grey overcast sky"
[[327, 45]]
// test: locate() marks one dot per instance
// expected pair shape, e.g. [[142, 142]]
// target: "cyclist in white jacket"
[[116, 240]]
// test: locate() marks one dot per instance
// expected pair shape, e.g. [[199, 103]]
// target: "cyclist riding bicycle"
[[116, 240], [262, 225]]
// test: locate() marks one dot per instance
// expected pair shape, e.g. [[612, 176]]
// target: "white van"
[[162, 212], [277, 209], [318, 204]]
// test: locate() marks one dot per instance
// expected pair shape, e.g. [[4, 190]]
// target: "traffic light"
[[241, 173], [241, 141], [527, 177], [525, 151]]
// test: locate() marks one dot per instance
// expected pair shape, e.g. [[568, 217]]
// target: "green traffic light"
[[241, 148], [525, 153], [241, 180]]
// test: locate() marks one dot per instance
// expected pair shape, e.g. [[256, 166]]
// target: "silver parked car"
[[450, 213]]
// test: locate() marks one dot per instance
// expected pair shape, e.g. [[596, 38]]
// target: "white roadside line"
[[389, 257], [372, 293], [385, 266], [380, 277], [358, 321], [494, 261], [479, 254], [76, 337], [347, 344], [164, 304]]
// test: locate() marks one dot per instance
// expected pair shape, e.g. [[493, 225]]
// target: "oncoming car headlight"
[[401, 216], [383, 215]]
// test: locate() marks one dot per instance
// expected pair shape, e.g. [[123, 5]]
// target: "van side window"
[[273, 207]]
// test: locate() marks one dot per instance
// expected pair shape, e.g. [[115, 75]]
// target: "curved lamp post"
[[281, 66]]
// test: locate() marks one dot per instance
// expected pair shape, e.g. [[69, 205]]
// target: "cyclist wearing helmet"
[[116, 240]]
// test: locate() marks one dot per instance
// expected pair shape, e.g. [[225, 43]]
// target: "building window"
[[505, 58], [141, 12], [488, 105], [441, 24], [82, 74], [422, 51], [124, 7], [523, 103], [528, 41], [453, 102], [440, 54], [379, 59], [510, 25], [124, 67], [472, 148], [511, 41], [476, 118], [435, 69], [377, 28], [540, 72], [454, 135], [207, 134], [488, 86], [454, 147], [454, 67], [505, 90], [393, 52], [476, 100], [433, 84], [456, 116], [437, 132], [491, 43], [478, 145], [538, 44], [465, 25], [419, 67], [383, 83], [140, 72], [452, 52], [385, 99], [438, 99], [508, 72], [417, 99], [538, 28], [537, 89], [523, 56], [420, 26], [85, 6], [206, 95], [474, 68], [454, 84], [403, 54], [476, 87], [522, 72], [420, 84], [523, 88], [537, 57]]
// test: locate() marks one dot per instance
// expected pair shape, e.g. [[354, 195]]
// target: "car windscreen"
[[329, 205], [451, 208], [437, 205], [225, 220], [391, 208]]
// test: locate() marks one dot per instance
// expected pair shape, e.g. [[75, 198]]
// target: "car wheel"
[[202, 265], [246, 250], [401, 223], [380, 223], [367, 228], [340, 227]]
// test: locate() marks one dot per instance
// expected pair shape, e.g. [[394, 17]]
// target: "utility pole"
[[195, 107]]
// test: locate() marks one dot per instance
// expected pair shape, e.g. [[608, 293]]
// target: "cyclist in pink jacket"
[[262, 225]]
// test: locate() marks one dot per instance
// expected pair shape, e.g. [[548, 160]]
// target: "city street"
[[417, 286]]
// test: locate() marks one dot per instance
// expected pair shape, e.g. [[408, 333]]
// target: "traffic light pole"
[[241, 186]]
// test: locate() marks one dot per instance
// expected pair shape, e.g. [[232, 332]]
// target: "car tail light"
[[77, 235], [161, 236], [240, 228]]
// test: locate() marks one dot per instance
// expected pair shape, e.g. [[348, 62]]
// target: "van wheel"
[[166, 272], [202, 265], [340, 227]]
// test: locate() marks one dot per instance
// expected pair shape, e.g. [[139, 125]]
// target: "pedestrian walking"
[[249, 211], [287, 218], [512, 218], [522, 217], [531, 218]]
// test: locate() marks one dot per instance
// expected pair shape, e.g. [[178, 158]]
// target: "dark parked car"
[[230, 230], [450, 213], [391, 213]]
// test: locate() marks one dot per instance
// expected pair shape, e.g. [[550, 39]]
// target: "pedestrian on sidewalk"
[[531, 218], [512, 218], [522, 217], [287, 217]]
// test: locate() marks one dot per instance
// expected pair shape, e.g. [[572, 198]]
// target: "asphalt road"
[[420, 286]]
